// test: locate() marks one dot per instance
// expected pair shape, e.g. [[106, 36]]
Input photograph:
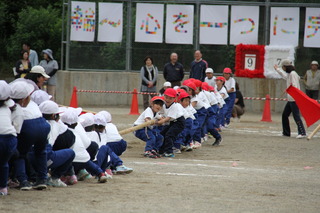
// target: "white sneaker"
[[56, 182], [205, 138], [301, 136], [197, 145]]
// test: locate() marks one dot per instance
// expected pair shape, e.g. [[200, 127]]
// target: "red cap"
[[180, 90], [197, 82], [221, 78], [185, 82], [191, 85], [157, 98], [227, 70], [183, 95], [205, 86], [211, 88], [170, 92]]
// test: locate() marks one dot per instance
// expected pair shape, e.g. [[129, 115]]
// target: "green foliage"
[[39, 27]]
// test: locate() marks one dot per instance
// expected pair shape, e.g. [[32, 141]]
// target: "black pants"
[[314, 94], [170, 134], [291, 106]]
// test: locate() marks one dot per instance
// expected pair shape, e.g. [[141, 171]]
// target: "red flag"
[[310, 108]]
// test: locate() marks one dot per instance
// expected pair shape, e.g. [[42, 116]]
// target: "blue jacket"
[[198, 70]]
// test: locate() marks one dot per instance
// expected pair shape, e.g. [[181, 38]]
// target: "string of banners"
[[179, 26]]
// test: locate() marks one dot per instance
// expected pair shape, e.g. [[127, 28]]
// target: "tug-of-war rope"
[[150, 93]]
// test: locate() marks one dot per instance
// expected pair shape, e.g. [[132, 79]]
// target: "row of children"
[[48, 145], [185, 115]]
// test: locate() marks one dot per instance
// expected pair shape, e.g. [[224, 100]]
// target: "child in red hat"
[[220, 81], [173, 113], [148, 134], [230, 85]]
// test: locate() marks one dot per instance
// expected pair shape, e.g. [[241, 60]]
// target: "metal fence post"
[[68, 36], [128, 41]]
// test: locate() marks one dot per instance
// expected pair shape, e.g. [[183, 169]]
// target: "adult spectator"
[[23, 66], [312, 80], [238, 108], [173, 71], [149, 75], [51, 67], [33, 56], [198, 67]]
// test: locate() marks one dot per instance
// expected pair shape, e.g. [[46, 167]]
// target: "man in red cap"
[[173, 113]]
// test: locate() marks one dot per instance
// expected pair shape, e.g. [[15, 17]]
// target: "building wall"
[[127, 81]]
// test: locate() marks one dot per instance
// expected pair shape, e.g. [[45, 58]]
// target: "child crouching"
[[152, 138]]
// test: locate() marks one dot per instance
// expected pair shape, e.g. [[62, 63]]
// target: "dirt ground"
[[254, 170]]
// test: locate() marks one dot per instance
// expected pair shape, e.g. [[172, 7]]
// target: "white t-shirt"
[[63, 128], [220, 99], [190, 111], [54, 131], [148, 113], [174, 111], [231, 83], [212, 98], [202, 96], [17, 117], [32, 111], [112, 133], [93, 135], [6, 127], [199, 104], [223, 91], [82, 133], [211, 82], [82, 155]]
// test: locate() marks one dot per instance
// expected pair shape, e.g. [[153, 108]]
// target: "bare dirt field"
[[254, 170]]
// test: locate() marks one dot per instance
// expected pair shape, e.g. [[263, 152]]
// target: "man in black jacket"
[[173, 71]]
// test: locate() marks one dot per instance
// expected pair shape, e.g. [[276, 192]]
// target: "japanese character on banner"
[[179, 25], [110, 22], [149, 22], [244, 24], [312, 28], [214, 24], [82, 21], [284, 27]]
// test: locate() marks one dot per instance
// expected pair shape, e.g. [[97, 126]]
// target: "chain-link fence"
[[128, 55]]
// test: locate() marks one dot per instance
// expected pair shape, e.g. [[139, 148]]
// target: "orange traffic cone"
[[134, 104], [266, 116], [74, 99]]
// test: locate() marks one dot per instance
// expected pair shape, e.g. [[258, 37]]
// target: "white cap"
[[70, 115], [107, 115], [49, 107], [176, 87], [167, 84], [40, 96], [39, 69], [88, 119], [286, 62], [5, 90], [314, 63], [20, 89], [209, 70], [100, 119]]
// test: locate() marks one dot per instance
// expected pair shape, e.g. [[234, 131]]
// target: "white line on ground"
[[197, 175]]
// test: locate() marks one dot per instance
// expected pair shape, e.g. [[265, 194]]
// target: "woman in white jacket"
[[292, 78]]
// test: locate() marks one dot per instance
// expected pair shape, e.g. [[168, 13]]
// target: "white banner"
[[284, 26], [275, 55], [110, 22], [83, 17], [179, 25], [244, 25], [149, 23], [312, 28], [213, 24]]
